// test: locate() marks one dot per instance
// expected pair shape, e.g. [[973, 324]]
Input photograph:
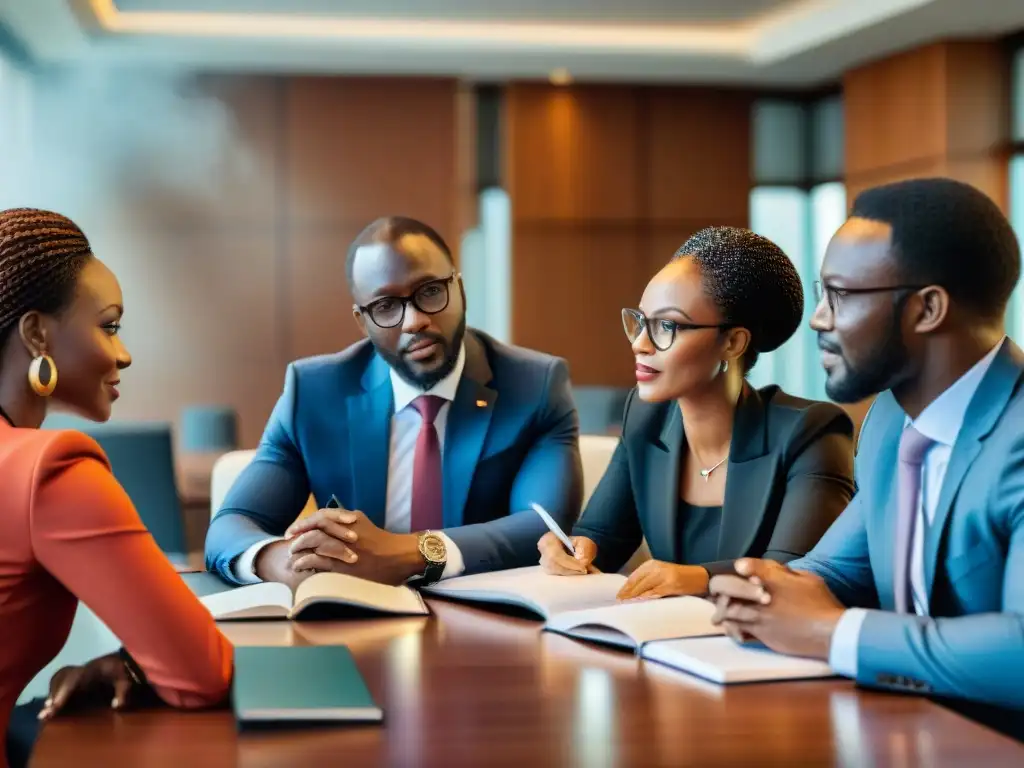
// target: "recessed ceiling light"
[[560, 76]]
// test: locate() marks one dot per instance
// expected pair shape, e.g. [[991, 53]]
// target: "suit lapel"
[[983, 413], [881, 496], [369, 435], [662, 492], [751, 479], [469, 418]]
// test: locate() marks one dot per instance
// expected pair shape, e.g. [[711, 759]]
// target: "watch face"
[[433, 549]]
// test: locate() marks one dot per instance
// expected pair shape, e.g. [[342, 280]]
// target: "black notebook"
[[313, 684]]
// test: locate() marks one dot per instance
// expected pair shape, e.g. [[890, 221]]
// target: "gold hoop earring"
[[35, 379]]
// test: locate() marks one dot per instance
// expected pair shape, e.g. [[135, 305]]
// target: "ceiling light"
[[560, 76]]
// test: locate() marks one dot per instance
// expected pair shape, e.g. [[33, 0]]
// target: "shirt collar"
[[942, 419], [405, 392]]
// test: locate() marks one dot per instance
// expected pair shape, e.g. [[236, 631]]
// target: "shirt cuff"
[[456, 565], [842, 654], [244, 568]]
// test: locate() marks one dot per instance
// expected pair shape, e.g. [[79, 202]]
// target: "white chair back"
[[596, 452], [226, 470]]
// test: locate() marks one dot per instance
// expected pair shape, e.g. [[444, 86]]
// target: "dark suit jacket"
[[512, 437], [790, 475]]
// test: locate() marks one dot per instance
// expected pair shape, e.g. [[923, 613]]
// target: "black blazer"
[[790, 475]]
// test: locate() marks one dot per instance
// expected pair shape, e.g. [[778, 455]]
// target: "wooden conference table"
[[468, 687]]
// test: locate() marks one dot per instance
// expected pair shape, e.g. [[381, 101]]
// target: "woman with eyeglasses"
[[710, 469]]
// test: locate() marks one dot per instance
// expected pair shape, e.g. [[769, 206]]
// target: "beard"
[[884, 369], [412, 373]]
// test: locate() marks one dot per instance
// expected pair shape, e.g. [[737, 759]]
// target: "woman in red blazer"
[[68, 531]]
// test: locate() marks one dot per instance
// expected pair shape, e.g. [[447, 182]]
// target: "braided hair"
[[41, 256], [753, 283]]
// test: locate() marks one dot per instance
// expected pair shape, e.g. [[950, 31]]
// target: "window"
[[486, 253], [781, 214], [486, 266], [15, 134], [1015, 317], [799, 202]]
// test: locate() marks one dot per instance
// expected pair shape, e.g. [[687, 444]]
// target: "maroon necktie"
[[427, 502]]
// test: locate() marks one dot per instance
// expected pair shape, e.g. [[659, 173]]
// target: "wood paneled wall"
[[606, 182], [229, 275], [941, 110]]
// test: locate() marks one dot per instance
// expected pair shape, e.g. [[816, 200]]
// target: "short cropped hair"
[[948, 233], [753, 283], [389, 230]]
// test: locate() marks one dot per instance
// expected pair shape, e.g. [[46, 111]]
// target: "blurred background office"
[[221, 154]]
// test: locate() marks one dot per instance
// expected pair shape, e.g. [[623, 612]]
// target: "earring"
[[35, 378], [725, 366]]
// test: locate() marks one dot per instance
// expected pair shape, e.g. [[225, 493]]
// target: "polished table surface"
[[468, 687]]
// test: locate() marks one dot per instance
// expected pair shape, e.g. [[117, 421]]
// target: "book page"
[[640, 622], [350, 590], [532, 588], [722, 660], [256, 601]]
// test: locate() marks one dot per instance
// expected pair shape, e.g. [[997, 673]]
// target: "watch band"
[[132, 667], [433, 572]]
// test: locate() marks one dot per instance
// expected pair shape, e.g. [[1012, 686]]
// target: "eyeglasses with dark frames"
[[429, 298], [660, 330], [833, 293]]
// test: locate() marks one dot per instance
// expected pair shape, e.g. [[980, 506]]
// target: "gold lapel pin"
[[481, 403]]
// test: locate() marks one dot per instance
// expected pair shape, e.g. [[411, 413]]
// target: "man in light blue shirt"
[[919, 585]]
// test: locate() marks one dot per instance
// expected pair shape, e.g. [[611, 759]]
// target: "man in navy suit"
[[919, 584], [432, 438]]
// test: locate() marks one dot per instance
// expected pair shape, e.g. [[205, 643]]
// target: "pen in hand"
[[555, 529]]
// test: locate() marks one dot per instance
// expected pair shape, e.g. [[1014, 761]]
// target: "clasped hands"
[[789, 611], [342, 541]]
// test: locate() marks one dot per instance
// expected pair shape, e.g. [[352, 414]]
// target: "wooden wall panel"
[[939, 110], [357, 149], [573, 153], [202, 321], [569, 286], [605, 184], [896, 111], [697, 152], [978, 96], [320, 320]]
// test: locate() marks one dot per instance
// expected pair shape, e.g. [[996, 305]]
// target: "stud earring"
[[35, 378]]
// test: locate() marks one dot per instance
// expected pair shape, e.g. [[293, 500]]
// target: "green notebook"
[[315, 683]]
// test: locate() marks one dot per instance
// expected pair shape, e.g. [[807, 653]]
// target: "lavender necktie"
[[427, 501], [913, 447]]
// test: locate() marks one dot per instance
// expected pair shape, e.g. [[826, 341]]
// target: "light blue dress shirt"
[[941, 422]]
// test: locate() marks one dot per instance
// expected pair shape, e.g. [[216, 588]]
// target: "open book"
[[323, 594], [584, 607], [724, 661]]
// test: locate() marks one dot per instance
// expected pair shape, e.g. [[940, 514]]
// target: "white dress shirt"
[[405, 428], [941, 422]]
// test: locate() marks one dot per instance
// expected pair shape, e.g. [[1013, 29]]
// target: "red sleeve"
[[87, 534]]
